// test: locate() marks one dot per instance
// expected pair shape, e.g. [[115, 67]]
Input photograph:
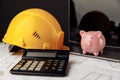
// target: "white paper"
[[79, 68]]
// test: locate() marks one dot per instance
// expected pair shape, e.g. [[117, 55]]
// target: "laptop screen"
[[58, 8]]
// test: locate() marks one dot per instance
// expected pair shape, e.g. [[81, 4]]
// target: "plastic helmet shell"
[[35, 29]]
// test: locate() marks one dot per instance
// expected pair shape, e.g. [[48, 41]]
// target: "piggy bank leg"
[[101, 52], [96, 53], [84, 52]]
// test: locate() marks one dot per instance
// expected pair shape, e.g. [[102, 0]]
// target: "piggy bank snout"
[[87, 43]]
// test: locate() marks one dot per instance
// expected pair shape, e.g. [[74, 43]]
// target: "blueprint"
[[79, 68]]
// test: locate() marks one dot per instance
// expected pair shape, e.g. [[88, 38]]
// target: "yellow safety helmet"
[[35, 29]]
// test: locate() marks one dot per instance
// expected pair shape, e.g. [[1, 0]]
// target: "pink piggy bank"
[[92, 42]]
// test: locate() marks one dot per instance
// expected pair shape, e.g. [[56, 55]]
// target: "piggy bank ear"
[[98, 33], [82, 32]]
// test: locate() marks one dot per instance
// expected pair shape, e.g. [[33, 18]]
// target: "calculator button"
[[26, 65], [60, 67], [54, 64], [22, 61], [41, 63], [17, 67], [33, 65], [50, 60], [62, 60], [48, 64], [29, 61], [30, 68], [56, 60], [23, 68], [59, 70], [37, 69], [46, 68], [61, 63], [53, 68], [39, 66]]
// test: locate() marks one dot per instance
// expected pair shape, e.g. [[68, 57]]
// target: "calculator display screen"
[[41, 54]]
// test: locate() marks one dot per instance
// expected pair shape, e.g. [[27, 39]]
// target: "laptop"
[[88, 19]]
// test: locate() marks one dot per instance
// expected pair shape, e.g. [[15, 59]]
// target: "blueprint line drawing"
[[96, 76], [80, 68], [115, 65]]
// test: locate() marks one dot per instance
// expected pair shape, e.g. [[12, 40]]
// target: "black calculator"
[[42, 63]]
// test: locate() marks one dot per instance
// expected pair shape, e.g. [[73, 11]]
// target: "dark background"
[[58, 8]]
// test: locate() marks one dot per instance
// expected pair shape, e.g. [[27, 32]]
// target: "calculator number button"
[[17, 67], [39, 66], [26, 65], [33, 65], [61, 66]]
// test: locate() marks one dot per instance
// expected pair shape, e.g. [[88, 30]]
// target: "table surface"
[[79, 68]]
